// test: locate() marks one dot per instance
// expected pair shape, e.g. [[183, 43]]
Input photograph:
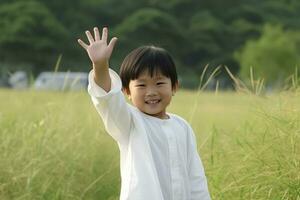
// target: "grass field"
[[53, 145]]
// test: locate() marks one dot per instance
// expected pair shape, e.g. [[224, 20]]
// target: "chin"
[[156, 114]]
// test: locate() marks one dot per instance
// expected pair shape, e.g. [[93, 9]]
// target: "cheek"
[[167, 91], [168, 95], [136, 97]]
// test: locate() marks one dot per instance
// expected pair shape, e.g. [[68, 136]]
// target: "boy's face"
[[151, 95]]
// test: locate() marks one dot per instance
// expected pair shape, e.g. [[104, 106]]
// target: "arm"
[[198, 182], [105, 87]]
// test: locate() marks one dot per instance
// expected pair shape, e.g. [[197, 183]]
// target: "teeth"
[[152, 101]]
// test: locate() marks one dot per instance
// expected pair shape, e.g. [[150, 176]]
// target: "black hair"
[[148, 58]]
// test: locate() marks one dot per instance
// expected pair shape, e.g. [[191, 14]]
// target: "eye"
[[160, 83], [140, 85]]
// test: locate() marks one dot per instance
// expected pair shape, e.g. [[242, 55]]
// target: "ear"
[[174, 90], [126, 91]]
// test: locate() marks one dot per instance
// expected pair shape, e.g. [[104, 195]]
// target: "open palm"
[[98, 49]]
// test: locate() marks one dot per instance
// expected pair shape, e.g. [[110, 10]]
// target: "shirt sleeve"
[[112, 107], [197, 178]]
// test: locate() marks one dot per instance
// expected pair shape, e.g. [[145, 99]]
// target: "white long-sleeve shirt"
[[159, 158]]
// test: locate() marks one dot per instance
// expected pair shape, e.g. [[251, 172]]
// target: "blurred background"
[[41, 35]]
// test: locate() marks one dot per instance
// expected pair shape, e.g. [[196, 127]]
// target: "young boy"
[[158, 151]]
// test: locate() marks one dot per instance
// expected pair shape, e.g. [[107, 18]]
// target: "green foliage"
[[149, 26], [204, 30], [206, 33], [29, 32], [273, 56], [33, 33]]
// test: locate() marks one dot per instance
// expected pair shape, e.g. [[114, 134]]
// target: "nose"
[[151, 91]]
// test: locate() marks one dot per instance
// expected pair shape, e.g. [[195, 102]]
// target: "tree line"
[[233, 33]]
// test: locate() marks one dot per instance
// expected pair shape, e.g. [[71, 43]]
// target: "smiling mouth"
[[151, 102]]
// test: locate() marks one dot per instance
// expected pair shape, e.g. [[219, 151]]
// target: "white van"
[[61, 81]]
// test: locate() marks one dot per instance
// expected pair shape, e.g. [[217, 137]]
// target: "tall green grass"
[[53, 145]]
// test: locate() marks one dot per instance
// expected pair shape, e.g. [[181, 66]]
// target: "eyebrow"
[[155, 78]]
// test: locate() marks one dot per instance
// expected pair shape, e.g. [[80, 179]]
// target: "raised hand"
[[98, 50], [99, 53]]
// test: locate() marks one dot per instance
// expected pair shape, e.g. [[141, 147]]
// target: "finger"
[[84, 45], [112, 43], [104, 34], [97, 35], [90, 37]]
